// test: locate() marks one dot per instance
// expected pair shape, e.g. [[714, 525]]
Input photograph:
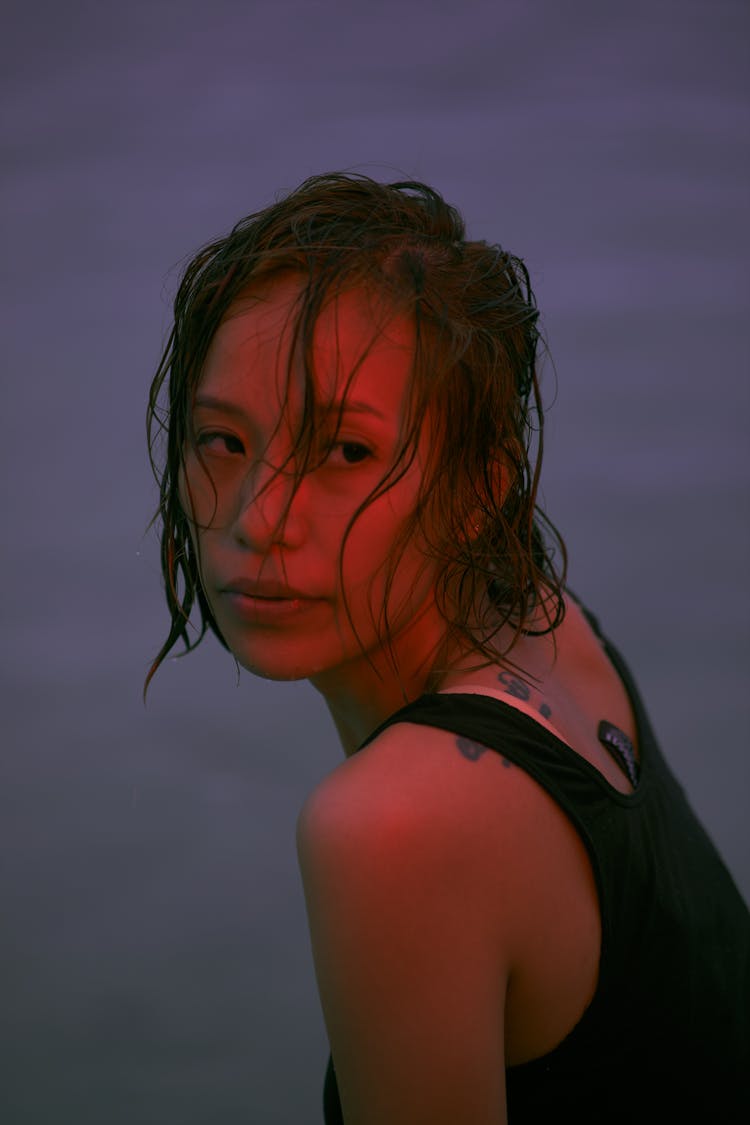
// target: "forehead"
[[359, 345]]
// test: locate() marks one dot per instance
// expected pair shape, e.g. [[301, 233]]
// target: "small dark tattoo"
[[473, 750], [514, 686], [470, 749], [545, 710]]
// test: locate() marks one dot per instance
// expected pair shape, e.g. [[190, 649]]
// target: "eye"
[[352, 452], [216, 442]]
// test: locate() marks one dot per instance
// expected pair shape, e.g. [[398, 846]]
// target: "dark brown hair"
[[475, 368]]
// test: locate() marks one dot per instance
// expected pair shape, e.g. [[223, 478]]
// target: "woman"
[[513, 911]]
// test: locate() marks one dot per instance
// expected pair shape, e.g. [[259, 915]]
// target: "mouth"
[[267, 609], [265, 597], [268, 591]]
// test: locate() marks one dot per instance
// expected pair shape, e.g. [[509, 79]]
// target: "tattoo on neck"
[[520, 690], [514, 686]]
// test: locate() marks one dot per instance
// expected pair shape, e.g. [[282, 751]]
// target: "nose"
[[269, 511]]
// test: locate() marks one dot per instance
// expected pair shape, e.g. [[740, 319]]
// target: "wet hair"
[[475, 369]]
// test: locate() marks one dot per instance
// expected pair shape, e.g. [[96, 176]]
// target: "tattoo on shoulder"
[[473, 750], [545, 710]]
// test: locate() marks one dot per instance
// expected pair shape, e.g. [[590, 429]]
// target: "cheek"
[[198, 494], [377, 529], [376, 552]]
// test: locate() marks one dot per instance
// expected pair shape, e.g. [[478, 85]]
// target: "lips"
[[266, 590], [267, 605]]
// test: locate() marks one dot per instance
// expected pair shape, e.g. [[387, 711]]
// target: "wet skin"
[[244, 419], [249, 528]]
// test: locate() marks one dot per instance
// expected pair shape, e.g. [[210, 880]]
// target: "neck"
[[364, 692]]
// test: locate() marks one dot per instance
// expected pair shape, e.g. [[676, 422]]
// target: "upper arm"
[[409, 950]]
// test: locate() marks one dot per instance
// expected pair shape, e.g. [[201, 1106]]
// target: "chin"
[[279, 675], [291, 656], [268, 666]]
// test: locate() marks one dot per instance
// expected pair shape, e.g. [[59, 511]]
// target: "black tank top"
[[666, 1037]]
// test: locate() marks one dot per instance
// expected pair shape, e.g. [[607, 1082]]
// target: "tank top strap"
[[647, 741], [489, 722], [519, 737]]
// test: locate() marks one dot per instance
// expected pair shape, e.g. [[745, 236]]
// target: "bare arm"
[[409, 957]]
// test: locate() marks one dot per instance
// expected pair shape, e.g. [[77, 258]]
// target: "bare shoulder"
[[415, 798], [411, 971], [409, 819], [417, 858], [450, 799]]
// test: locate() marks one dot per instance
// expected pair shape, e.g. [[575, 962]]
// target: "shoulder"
[[415, 791], [419, 792], [432, 796], [417, 857], [410, 965], [412, 804]]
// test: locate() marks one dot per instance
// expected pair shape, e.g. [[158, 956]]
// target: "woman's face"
[[273, 583]]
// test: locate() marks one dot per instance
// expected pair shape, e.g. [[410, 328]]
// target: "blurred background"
[[154, 943]]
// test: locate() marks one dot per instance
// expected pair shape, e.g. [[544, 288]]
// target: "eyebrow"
[[349, 406]]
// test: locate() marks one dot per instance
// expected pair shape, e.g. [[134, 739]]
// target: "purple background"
[[154, 937]]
